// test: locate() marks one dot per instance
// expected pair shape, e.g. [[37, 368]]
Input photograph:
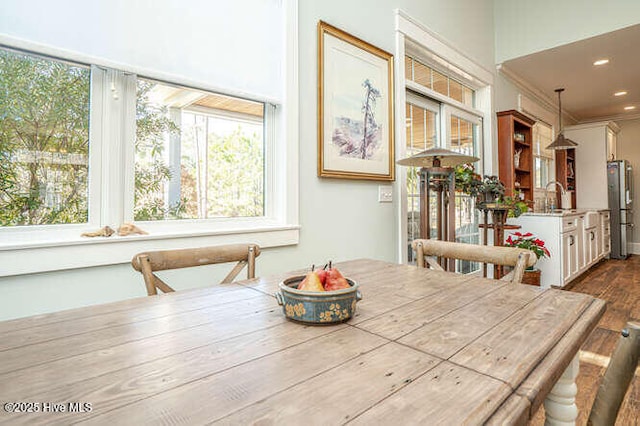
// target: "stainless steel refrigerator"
[[619, 179]]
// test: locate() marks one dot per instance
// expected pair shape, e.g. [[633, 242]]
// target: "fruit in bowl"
[[324, 279], [322, 296]]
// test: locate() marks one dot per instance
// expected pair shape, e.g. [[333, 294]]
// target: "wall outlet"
[[385, 194]]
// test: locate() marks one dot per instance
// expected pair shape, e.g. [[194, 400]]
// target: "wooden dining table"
[[424, 347]]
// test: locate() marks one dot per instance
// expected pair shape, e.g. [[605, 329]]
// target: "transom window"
[[428, 77]]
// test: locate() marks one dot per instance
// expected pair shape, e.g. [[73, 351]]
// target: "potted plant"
[[516, 205], [488, 190], [536, 245], [466, 178]]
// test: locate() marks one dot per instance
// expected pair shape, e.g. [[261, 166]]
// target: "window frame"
[[432, 50], [43, 248], [269, 218]]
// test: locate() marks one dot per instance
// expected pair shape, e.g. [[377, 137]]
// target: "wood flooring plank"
[[29, 356], [439, 339], [505, 352], [123, 381], [385, 371], [433, 399], [615, 318], [236, 388], [601, 342]]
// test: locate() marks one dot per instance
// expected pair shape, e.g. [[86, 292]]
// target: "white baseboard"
[[633, 248]]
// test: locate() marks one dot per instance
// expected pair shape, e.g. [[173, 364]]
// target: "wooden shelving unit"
[[514, 135], [566, 172]]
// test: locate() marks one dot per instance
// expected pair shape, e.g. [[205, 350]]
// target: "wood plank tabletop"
[[424, 347]]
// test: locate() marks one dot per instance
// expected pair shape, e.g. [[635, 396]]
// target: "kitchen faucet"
[[551, 205]]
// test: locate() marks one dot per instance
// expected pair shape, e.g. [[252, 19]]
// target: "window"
[[543, 159], [44, 141], [198, 155], [85, 146], [428, 77], [251, 107]]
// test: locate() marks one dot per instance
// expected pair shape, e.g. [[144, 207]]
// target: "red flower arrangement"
[[527, 241]]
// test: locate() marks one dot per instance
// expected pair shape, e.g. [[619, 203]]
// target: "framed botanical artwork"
[[355, 107]]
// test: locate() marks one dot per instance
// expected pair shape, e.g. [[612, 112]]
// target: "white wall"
[[629, 149], [523, 27], [340, 219]]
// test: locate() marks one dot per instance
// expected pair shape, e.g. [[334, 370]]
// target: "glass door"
[[422, 126], [463, 134]]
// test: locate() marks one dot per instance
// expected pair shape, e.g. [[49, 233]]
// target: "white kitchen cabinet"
[[604, 233], [590, 224], [574, 248], [590, 246], [596, 144], [570, 256]]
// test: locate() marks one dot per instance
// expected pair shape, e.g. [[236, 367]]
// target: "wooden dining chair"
[[427, 252], [617, 377], [149, 262]]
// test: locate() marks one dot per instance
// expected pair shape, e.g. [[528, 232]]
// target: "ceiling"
[[589, 89]]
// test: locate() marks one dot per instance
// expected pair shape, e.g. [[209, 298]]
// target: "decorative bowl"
[[317, 307]]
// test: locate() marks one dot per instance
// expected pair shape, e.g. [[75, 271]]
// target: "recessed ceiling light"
[[601, 62], [629, 107], [620, 93]]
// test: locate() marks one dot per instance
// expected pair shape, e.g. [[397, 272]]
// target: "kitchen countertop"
[[563, 213]]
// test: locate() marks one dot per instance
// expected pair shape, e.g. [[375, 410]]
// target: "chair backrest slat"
[[149, 262], [617, 377], [518, 258]]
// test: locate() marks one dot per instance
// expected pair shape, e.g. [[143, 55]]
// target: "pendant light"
[[561, 142]]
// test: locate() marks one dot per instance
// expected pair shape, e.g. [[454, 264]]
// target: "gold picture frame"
[[355, 107]]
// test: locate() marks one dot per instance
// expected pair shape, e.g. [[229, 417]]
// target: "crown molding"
[[616, 117], [533, 92]]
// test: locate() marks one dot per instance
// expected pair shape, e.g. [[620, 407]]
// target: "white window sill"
[[34, 252]]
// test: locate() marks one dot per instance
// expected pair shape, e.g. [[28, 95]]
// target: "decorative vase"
[[531, 277]]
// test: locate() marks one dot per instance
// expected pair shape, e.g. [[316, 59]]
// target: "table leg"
[[560, 405]]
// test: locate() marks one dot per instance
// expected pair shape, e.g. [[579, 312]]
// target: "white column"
[[560, 405]]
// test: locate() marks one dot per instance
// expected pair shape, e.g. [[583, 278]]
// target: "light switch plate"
[[385, 194]]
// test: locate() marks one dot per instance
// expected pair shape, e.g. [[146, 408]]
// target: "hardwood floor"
[[617, 282]]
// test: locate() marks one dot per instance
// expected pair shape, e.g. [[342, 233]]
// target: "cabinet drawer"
[[606, 215], [569, 224]]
